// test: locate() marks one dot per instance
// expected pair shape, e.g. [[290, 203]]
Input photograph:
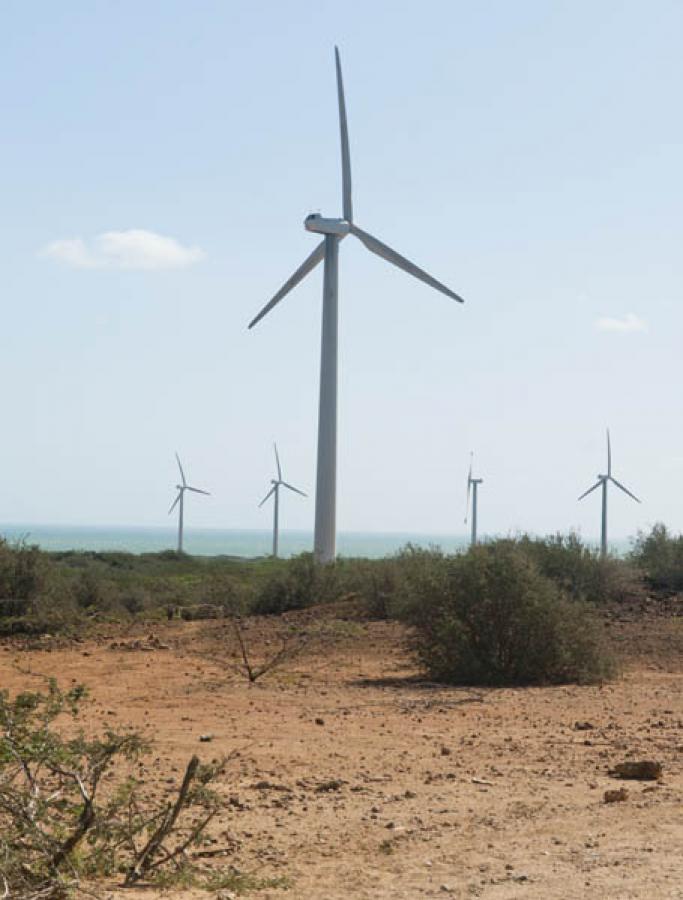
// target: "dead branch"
[[145, 861]]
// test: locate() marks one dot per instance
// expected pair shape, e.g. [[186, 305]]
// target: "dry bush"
[[57, 823]]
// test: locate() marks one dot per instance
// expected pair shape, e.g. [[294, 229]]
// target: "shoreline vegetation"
[[50, 592]]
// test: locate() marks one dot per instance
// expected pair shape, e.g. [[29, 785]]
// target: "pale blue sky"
[[527, 154]]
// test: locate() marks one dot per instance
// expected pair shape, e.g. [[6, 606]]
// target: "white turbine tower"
[[277, 484], [602, 481], [472, 485], [334, 231], [180, 500]]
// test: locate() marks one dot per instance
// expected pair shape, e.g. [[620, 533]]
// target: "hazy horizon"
[[159, 161]]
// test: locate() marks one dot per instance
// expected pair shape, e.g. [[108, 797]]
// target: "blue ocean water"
[[232, 542], [214, 541]]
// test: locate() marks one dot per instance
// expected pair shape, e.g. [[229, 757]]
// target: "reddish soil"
[[356, 780]]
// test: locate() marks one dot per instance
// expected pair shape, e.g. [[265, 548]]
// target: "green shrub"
[[577, 569], [296, 583], [659, 555], [378, 583], [23, 570], [490, 617]]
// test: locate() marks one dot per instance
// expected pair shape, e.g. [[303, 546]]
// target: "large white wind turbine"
[[180, 500], [472, 485], [334, 231], [602, 481], [277, 484]]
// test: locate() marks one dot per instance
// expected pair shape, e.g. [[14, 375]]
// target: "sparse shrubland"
[[68, 592]]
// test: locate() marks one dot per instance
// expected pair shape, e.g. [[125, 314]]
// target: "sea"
[[235, 542], [219, 542]]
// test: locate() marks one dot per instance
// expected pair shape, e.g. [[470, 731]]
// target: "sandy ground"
[[356, 780]]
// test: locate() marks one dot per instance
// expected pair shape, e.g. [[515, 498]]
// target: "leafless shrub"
[[290, 645]]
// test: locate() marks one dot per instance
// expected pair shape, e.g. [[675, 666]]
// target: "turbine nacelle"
[[320, 225]]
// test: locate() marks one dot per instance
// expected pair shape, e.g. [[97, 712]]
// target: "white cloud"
[[629, 322], [132, 249]]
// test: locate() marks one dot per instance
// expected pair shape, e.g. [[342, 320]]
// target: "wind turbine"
[[334, 231], [472, 485], [602, 481], [180, 500], [277, 484]]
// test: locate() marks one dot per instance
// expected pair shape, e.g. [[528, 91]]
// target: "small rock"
[[643, 770], [334, 784], [616, 796], [205, 738], [583, 726], [319, 721], [445, 751]]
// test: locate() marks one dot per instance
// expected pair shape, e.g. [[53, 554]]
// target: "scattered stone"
[[616, 796], [319, 721], [445, 751], [205, 738], [643, 770], [271, 786], [583, 726], [325, 787]]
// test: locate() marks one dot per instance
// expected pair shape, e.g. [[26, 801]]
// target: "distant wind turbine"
[[472, 485], [602, 481], [334, 231], [277, 484], [180, 500]]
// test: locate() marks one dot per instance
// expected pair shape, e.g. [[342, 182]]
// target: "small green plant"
[[490, 617]]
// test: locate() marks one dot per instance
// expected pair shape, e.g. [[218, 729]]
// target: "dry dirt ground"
[[354, 779]]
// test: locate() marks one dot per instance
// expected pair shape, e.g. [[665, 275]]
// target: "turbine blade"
[[624, 489], [307, 266], [292, 488], [609, 456], [345, 153], [590, 490], [182, 474], [396, 259], [197, 490], [277, 460], [270, 492], [174, 504]]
